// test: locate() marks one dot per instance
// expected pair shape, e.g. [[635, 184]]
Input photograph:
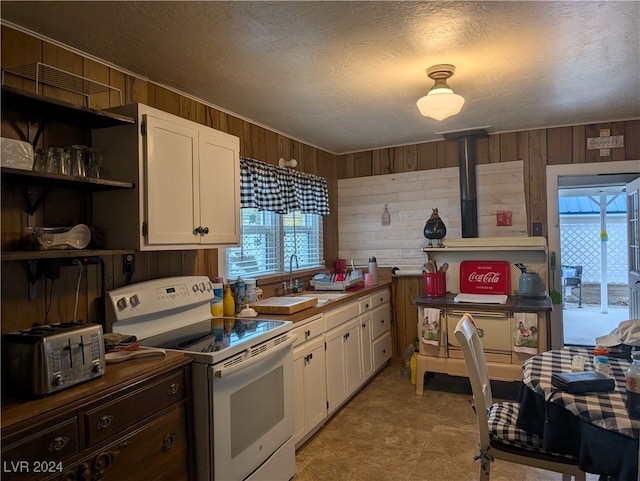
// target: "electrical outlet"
[[537, 229], [128, 264]]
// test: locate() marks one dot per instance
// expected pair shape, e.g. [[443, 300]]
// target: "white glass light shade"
[[440, 103]]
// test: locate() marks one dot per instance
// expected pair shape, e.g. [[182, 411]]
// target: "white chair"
[[499, 436]]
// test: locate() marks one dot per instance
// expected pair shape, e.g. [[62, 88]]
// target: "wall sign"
[[605, 142]]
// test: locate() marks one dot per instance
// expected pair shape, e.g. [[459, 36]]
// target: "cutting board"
[[284, 305]]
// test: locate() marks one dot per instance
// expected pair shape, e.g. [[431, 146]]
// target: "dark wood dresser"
[[132, 424]]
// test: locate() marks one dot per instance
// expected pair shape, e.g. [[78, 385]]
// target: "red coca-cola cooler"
[[485, 277]]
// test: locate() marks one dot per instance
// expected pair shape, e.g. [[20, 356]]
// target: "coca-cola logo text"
[[485, 277]]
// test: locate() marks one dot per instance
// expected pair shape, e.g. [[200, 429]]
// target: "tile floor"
[[388, 433]]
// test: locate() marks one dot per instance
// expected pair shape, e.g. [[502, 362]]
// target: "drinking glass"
[[77, 157], [40, 161], [95, 165], [58, 161]]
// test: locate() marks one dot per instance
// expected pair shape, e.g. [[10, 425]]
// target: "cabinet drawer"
[[380, 320], [365, 304], [381, 350], [380, 297], [156, 452], [309, 329], [118, 415], [340, 315], [44, 451]]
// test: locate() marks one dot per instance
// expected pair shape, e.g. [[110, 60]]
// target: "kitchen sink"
[[324, 297]]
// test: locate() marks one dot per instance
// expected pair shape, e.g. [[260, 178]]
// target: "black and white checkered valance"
[[276, 189]]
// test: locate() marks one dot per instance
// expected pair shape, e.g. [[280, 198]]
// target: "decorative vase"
[[435, 230]]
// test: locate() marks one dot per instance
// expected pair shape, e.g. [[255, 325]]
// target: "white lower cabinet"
[[366, 347], [310, 389], [309, 378], [344, 374], [334, 355]]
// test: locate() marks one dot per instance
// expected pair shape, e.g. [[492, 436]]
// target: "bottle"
[[414, 367], [228, 303], [632, 381], [241, 293], [217, 309], [373, 269], [406, 371]]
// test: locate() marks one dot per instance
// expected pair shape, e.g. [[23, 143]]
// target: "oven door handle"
[[228, 371]]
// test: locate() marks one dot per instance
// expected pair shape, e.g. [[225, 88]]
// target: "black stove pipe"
[[467, 154]]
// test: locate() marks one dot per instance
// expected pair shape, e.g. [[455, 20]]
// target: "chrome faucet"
[[291, 270]]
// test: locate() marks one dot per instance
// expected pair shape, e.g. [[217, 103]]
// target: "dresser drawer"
[[380, 320], [156, 452], [112, 418], [33, 456]]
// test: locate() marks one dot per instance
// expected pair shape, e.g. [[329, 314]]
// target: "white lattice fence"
[[581, 245]]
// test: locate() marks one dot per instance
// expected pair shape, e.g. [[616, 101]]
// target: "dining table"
[[595, 427]]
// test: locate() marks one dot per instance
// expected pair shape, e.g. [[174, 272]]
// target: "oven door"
[[495, 328], [253, 410]]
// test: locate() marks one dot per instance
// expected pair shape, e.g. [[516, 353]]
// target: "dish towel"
[[525, 336], [429, 326]]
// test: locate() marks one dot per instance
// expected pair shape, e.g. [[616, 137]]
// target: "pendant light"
[[440, 103]]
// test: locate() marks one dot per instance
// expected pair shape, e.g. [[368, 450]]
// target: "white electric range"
[[242, 387]]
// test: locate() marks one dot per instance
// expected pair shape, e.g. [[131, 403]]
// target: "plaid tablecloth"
[[603, 409]]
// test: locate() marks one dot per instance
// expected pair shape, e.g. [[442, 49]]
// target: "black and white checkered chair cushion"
[[502, 419]]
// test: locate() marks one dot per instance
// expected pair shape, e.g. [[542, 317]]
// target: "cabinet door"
[[335, 361], [353, 370], [170, 160], [219, 187], [315, 385], [365, 346], [299, 423]]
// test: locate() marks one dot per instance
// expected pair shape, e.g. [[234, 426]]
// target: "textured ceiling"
[[345, 76]]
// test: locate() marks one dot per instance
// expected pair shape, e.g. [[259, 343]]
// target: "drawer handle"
[[105, 421], [173, 389], [480, 332], [308, 333], [58, 444], [168, 441]]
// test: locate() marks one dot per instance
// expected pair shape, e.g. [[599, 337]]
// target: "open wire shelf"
[[43, 74]]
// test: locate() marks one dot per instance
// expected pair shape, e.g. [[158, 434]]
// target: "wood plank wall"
[[410, 197], [63, 207]]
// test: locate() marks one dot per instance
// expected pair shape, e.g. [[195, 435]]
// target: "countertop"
[[514, 303], [383, 282]]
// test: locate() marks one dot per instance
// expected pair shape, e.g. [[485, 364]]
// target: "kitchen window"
[[268, 240]]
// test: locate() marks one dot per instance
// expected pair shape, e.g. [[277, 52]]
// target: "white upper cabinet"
[[187, 179]]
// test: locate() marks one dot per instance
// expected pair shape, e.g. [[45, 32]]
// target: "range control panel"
[[158, 296]]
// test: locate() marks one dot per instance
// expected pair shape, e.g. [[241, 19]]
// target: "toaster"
[[48, 358]]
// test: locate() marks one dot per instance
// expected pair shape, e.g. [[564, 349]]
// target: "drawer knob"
[[308, 333], [58, 444], [168, 441], [173, 389], [105, 421]]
